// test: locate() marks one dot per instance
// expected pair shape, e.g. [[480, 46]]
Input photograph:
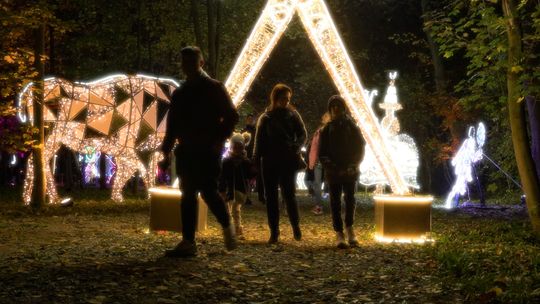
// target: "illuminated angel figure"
[[468, 154], [401, 146]]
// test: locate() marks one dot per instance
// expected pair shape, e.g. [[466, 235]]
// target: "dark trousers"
[[336, 189], [274, 176], [199, 173], [260, 188]]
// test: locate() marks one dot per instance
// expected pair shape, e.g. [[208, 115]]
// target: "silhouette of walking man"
[[200, 119]]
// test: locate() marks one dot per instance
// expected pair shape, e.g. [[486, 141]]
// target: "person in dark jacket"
[[201, 117], [235, 175], [341, 149], [279, 138]]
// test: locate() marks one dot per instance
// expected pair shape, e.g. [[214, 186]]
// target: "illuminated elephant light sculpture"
[[123, 116]]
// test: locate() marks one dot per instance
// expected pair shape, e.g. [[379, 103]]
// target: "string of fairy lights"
[[81, 109]]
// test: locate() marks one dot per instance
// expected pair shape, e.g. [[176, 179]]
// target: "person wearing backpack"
[[341, 148], [278, 140]]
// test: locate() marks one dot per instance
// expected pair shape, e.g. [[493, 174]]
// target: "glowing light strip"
[[159, 79], [403, 239], [165, 191], [331, 49], [338, 62], [100, 80], [262, 40], [22, 116], [404, 199]]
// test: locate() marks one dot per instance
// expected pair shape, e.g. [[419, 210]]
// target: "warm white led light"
[[402, 147], [404, 199], [120, 115], [403, 239], [165, 191], [323, 34]]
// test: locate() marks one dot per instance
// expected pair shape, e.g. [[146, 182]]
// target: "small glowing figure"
[[468, 154], [402, 147], [91, 163]]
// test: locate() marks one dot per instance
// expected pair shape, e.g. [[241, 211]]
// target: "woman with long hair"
[[279, 137], [341, 147]]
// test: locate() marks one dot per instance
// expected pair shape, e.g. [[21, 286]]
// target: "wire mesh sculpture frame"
[[123, 116]]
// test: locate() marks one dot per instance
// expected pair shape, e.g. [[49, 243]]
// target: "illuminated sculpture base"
[[165, 213], [402, 218]]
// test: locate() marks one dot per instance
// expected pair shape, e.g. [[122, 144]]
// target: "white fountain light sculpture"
[[324, 36], [468, 154], [402, 147]]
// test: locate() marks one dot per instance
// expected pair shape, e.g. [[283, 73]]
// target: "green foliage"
[[492, 253], [472, 36]]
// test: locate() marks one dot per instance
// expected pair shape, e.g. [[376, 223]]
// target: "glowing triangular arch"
[[322, 32]]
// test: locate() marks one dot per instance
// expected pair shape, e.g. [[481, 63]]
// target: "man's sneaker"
[[229, 238], [184, 249], [340, 241], [297, 233], [353, 242]]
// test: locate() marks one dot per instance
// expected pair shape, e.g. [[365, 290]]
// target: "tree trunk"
[[196, 23], [534, 123], [438, 66], [211, 60], [516, 113], [38, 192]]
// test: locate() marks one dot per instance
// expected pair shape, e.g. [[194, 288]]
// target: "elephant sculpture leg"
[[50, 152], [125, 169], [28, 181]]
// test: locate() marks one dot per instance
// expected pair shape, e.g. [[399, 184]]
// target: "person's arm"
[[247, 168], [222, 185], [259, 141], [228, 113], [171, 133], [324, 155], [300, 132], [359, 144]]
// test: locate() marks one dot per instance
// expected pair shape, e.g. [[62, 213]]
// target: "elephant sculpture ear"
[[481, 134]]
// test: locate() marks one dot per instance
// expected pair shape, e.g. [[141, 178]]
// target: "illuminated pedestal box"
[[402, 218], [165, 213]]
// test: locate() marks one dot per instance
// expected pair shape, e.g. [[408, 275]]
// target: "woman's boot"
[[353, 242], [340, 240]]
